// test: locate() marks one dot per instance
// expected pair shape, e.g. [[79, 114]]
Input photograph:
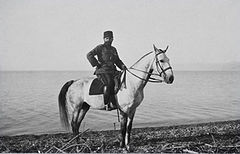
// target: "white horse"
[[75, 94]]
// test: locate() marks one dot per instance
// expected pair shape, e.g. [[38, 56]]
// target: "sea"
[[29, 101]]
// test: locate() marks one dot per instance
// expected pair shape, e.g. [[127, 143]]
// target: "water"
[[28, 101]]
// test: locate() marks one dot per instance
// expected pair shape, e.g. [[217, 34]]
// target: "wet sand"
[[213, 137]]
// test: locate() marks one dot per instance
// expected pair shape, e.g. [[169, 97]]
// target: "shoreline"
[[220, 136]]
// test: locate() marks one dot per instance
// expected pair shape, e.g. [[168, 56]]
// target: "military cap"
[[108, 34]]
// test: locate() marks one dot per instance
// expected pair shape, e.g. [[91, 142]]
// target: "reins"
[[149, 78]]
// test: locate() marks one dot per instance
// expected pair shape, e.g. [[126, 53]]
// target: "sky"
[[57, 34]]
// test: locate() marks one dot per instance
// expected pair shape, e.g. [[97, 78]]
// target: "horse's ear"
[[155, 49], [166, 49]]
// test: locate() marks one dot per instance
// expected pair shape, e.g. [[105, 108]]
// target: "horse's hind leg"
[[78, 115]]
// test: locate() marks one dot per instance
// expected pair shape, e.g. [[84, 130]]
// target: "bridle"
[[150, 73], [159, 67]]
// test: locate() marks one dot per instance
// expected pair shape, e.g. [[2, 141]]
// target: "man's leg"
[[108, 90]]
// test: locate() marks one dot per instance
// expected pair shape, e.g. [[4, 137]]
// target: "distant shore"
[[212, 137]]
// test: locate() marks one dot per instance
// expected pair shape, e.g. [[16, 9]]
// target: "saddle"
[[97, 85]]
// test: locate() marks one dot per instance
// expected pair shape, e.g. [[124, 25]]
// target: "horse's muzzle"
[[170, 79]]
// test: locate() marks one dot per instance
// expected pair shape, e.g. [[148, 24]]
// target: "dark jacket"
[[107, 58]]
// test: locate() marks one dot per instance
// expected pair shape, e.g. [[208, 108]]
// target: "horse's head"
[[163, 66]]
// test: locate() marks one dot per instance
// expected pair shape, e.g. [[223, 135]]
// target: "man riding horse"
[[107, 58]]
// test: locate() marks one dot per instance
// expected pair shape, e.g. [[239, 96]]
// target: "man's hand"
[[98, 66], [124, 68]]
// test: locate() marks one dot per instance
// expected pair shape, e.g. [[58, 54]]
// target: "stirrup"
[[107, 107]]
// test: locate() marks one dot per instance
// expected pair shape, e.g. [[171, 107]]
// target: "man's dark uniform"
[[107, 58]]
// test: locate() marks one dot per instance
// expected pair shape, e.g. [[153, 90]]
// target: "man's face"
[[108, 40]]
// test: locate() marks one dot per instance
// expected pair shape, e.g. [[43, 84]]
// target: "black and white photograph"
[[119, 76]]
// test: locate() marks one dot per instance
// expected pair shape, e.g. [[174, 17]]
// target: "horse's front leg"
[[128, 130], [123, 128]]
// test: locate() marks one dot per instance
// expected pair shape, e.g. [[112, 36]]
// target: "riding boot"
[[106, 97]]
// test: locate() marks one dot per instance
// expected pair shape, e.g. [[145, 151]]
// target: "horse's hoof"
[[129, 148], [124, 150]]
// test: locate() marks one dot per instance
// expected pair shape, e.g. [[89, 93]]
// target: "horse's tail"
[[63, 110]]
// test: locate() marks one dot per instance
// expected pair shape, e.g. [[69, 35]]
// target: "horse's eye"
[[161, 61]]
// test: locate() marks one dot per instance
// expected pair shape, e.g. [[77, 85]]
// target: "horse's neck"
[[139, 83]]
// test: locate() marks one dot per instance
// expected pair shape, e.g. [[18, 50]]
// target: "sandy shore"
[[214, 137]]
